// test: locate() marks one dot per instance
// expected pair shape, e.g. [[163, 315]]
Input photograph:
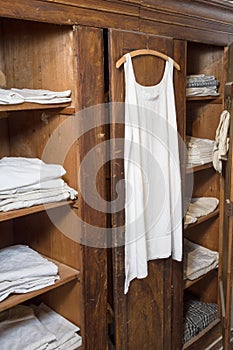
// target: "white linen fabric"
[[20, 329], [200, 150], [198, 260], [16, 96], [153, 215], [16, 172], [10, 97], [25, 182], [64, 331], [37, 328], [24, 270], [221, 144]]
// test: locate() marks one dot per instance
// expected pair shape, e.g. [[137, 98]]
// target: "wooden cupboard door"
[[227, 241], [149, 316]]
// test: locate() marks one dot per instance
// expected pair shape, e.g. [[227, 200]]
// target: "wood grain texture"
[[90, 60], [152, 295]]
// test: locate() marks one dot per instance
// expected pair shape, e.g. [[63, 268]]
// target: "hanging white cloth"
[[153, 213], [221, 144]]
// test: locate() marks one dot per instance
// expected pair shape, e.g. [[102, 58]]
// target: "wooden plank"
[[188, 283], [90, 61], [13, 214], [206, 338], [227, 243], [197, 168], [102, 5], [153, 320], [203, 219], [155, 26], [31, 106], [180, 54], [66, 274], [42, 11]]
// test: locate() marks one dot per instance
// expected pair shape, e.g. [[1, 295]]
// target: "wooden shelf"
[[188, 283], [203, 219], [66, 274], [201, 167], [35, 106], [212, 99], [4, 216]]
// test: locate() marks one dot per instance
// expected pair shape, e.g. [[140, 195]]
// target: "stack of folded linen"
[[201, 85], [198, 207], [24, 270], [16, 96], [197, 316], [37, 328], [25, 182], [198, 260], [200, 151]]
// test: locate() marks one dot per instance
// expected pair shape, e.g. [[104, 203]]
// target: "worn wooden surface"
[[196, 20], [152, 295], [90, 58]]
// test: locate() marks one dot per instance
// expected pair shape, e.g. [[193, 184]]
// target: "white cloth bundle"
[[24, 270], [21, 329], [198, 260], [15, 96], [200, 206], [64, 331], [25, 182], [221, 144], [200, 150], [9, 97]]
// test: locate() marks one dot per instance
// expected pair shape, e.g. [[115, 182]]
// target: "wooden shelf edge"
[[13, 214], [212, 99], [203, 219], [32, 106], [66, 273], [188, 283], [201, 334], [201, 167]]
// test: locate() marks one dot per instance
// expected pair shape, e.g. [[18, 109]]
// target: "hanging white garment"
[[221, 143], [153, 213]]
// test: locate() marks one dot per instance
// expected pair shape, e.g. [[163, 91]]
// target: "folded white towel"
[[198, 260], [20, 261], [16, 172], [65, 331], [20, 329]]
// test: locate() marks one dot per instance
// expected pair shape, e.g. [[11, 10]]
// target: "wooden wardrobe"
[[68, 44]]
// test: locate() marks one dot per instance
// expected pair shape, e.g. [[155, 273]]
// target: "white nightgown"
[[153, 209]]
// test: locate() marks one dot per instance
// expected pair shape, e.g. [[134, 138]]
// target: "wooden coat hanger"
[[146, 52]]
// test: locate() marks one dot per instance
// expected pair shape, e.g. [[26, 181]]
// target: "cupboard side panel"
[[90, 62]]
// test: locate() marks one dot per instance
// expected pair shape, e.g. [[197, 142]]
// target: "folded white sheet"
[[65, 331], [16, 172], [25, 200], [20, 261], [198, 260], [20, 329]]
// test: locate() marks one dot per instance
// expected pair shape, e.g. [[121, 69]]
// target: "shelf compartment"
[[188, 283], [13, 214], [197, 168], [214, 213], [66, 273], [213, 99], [212, 326]]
